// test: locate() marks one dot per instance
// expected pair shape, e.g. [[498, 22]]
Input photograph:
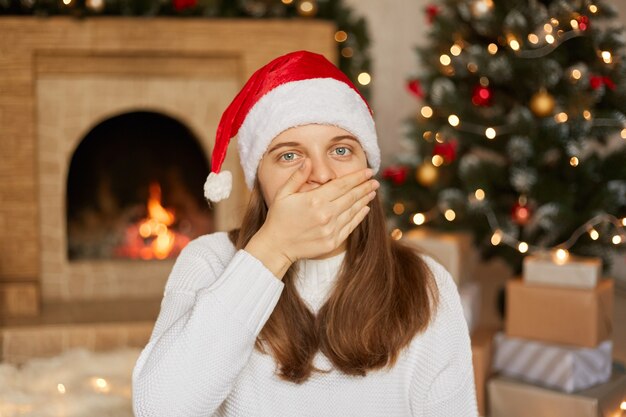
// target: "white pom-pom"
[[218, 186]]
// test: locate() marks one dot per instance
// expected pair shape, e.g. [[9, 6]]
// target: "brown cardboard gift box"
[[453, 250], [579, 317], [482, 342], [576, 272], [511, 398]]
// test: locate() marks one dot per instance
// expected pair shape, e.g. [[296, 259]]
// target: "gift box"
[[555, 366], [511, 398], [453, 250], [575, 272], [481, 360], [470, 301], [568, 316]]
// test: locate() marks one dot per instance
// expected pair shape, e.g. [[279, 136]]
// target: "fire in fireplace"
[[134, 189]]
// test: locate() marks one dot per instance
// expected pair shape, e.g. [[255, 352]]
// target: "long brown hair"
[[384, 295]]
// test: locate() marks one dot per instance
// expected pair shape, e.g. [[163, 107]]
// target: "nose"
[[321, 171]]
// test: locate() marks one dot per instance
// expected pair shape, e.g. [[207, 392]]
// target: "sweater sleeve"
[[209, 320], [451, 389]]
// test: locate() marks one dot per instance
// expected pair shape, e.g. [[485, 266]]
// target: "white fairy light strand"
[[421, 218], [505, 129], [481, 130], [608, 123], [500, 236], [547, 49], [561, 37], [567, 244]]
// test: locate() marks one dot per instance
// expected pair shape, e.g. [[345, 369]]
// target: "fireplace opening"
[[135, 189]]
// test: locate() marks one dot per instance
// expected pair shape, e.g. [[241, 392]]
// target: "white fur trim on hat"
[[312, 101], [218, 186]]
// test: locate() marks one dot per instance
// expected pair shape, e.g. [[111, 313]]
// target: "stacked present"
[[455, 251], [555, 358], [482, 350]]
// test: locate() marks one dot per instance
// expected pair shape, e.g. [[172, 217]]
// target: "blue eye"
[[342, 151], [288, 156]]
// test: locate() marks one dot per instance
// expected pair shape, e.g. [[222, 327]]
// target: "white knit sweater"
[[201, 361]]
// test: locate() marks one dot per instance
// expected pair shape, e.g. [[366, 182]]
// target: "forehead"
[[310, 133]]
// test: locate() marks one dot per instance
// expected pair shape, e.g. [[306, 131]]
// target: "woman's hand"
[[312, 223]]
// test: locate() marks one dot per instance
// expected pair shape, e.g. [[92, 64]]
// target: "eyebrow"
[[335, 139]]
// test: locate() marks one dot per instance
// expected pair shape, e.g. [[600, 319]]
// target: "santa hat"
[[292, 90]]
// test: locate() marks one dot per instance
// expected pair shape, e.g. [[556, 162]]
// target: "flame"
[[156, 225], [155, 210], [151, 237]]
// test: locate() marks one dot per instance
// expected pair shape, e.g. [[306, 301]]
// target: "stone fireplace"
[[62, 124], [62, 80]]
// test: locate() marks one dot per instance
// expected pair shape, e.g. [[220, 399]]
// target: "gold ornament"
[[426, 174], [542, 103]]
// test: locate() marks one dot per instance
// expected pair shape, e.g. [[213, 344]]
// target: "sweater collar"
[[315, 278]]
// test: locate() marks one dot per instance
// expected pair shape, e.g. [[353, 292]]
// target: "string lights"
[[364, 78], [60, 401], [498, 236], [341, 37], [551, 44], [100, 385], [552, 41], [491, 132], [617, 238]]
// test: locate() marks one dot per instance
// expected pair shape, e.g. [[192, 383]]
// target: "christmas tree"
[[521, 135]]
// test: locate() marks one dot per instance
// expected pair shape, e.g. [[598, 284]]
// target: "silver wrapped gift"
[[561, 367]]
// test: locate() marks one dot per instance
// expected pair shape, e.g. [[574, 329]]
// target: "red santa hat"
[[295, 89]]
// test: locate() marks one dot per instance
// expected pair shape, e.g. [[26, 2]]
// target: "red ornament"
[[597, 81], [521, 213], [583, 22], [609, 83], [396, 174], [431, 13], [446, 150], [482, 96], [415, 88], [180, 5]]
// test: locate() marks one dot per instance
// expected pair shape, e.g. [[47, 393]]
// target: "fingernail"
[[375, 184], [369, 173]]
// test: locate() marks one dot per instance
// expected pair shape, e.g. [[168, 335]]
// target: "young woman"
[[309, 308]]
